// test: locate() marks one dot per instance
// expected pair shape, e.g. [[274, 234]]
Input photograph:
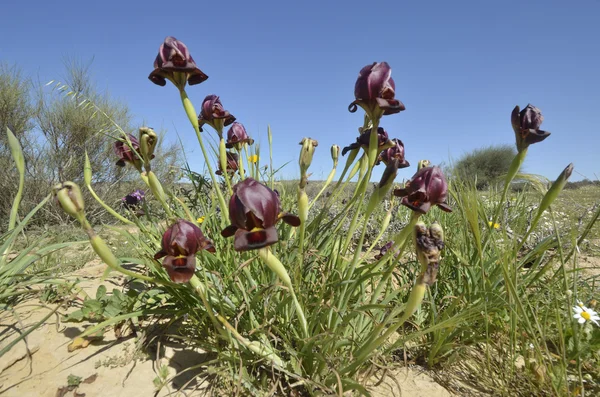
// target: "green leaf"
[[100, 292]]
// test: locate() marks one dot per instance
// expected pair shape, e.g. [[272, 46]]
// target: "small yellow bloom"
[[494, 225], [253, 158], [201, 219]]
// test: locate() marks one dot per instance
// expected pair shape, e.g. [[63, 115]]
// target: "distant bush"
[[578, 184], [483, 166]]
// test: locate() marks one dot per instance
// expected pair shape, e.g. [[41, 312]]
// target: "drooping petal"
[[181, 268], [245, 240]]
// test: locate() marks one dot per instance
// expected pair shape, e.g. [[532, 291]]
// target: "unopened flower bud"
[[68, 195], [148, 141], [423, 164], [306, 156], [555, 189], [335, 154]]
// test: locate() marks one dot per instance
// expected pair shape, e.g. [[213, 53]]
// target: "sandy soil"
[[111, 367]]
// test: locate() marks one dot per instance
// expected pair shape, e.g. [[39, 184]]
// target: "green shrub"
[[484, 166]]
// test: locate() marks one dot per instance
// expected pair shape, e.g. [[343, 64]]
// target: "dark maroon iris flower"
[[180, 242], [426, 188], [375, 91], [383, 141], [254, 209], [237, 135], [213, 113], [175, 63], [526, 124]]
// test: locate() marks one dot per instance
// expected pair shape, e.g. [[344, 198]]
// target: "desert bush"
[[484, 166], [56, 130]]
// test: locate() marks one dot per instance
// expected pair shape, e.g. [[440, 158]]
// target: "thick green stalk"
[[106, 254], [414, 301], [401, 240], [192, 116], [200, 288], [256, 347], [303, 215], [223, 161], [241, 164], [272, 174], [17, 155], [327, 183], [514, 168], [158, 192], [277, 267]]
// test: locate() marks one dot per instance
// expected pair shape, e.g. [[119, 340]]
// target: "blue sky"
[[459, 67]]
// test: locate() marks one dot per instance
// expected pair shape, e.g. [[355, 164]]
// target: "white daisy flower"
[[584, 314]]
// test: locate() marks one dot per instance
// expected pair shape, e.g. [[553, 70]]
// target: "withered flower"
[[180, 242], [237, 136], [385, 248], [254, 209], [394, 154], [375, 91], [175, 63], [426, 188], [393, 158], [383, 141], [429, 242], [214, 114], [232, 164], [526, 124]]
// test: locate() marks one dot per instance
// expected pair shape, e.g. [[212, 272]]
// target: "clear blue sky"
[[459, 66]]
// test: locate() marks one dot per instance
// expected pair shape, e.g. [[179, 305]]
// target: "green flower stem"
[[107, 256], [384, 225], [400, 241], [277, 267], [256, 347], [547, 200], [17, 154], [414, 301], [303, 215], [250, 164], [327, 183], [514, 168], [108, 207], [272, 174], [223, 161], [192, 116], [200, 288], [87, 177], [359, 192], [336, 189], [241, 164], [158, 192]]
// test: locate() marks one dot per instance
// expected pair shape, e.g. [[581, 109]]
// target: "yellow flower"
[[494, 225], [253, 158], [201, 219]]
